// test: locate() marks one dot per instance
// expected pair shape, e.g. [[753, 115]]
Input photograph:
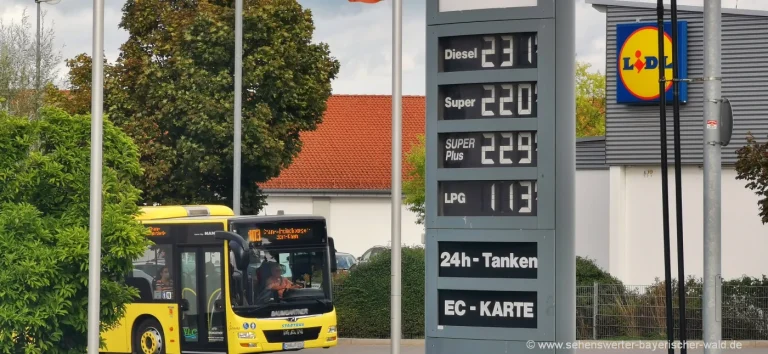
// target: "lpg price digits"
[[488, 149], [487, 198]]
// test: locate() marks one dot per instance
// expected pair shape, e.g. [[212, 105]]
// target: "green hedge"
[[363, 298]]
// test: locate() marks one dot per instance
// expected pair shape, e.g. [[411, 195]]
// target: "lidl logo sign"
[[638, 61]]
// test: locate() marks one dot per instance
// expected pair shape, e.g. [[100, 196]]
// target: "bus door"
[[202, 319]]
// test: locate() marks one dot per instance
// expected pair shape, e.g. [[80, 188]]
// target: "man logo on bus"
[[639, 62]]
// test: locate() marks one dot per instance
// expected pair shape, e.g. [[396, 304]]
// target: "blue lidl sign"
[[637, 64]]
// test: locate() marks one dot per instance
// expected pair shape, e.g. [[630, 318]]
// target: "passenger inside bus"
[[163, 284]]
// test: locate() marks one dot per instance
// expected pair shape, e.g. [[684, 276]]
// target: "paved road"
[[419, 349]]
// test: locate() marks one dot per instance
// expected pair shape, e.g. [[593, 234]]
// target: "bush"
[[44, 217], [588, 273], [363, 301]]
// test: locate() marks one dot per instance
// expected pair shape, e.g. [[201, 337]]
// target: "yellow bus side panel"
[[118, 340]]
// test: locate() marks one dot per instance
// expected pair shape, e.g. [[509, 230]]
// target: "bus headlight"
[[246, 335], [332, 329]]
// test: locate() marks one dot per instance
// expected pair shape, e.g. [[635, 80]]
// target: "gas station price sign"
[[487, 149], [500, 96], [487, 198], [488, 52], [491, 100]]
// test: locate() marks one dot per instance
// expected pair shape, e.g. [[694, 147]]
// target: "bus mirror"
[[332, 254], [239, 247]]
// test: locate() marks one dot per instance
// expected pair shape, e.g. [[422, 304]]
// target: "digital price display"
[[488, 259], [487, 198], [486, 308], [484, 101], [487, 149], [488, 51]]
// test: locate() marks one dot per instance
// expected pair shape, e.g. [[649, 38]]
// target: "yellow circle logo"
[[639, 63]]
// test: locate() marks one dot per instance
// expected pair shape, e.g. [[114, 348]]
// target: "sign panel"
[[637, 69], [491, 100], [482, 308], [487, 149], [487, 198], [500, 107], [491, 51], [488, 259], [463, 5]]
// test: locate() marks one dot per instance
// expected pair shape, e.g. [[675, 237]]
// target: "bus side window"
[[152, 273]]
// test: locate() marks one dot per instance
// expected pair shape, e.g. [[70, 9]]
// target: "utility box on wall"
[[500, 176]]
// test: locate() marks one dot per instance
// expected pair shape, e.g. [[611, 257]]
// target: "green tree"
[[44, 217], [172, 91], [752, 166], [413, 185], [590, 121], [77, 98], [18, 79], [590, 101]]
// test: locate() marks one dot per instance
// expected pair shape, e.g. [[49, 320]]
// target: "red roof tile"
[[351, 148]]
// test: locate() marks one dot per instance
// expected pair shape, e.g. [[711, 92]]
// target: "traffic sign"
[[500, 173]]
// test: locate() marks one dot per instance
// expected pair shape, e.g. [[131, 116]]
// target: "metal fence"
[[622, 312], [639, 312]]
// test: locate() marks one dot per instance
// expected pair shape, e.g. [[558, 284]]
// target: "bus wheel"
[[148, 338]]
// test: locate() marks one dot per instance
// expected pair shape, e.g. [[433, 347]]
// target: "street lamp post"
[[37, 55]]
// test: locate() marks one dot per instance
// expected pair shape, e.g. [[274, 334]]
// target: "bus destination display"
[[487, 149], [488, 51], [488, 259], [267, 234], [485, 101], [487, 198], [485, 308]]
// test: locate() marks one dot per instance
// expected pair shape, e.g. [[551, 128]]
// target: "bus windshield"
[[286, 283]]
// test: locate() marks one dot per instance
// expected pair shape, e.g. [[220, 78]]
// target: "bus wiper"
[[251, 308], [321, 302]]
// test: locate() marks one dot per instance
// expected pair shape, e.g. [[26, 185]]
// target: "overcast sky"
[[359, 36]]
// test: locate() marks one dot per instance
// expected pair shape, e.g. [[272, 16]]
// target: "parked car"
[[371, 252], [345, 261]]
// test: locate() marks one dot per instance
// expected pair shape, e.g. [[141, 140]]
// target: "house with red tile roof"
[[344, 171]]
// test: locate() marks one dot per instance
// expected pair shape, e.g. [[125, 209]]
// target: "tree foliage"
[[590, 101], [77, 98], [18, 47], [44, 216], [172, 91], [752, 166], [413, 185], [590, 121]]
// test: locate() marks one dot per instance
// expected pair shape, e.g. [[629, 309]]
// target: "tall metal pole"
[[37, 63], [238, 102], [97, 99], [665, 179], [712, 287], [678, 184], [397, 117]]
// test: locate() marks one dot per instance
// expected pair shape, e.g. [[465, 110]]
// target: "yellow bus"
[[213, 282]]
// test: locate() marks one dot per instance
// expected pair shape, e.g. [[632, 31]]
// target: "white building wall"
[[592, 212], [355, 223], [289, 205], [359, 223], [744, 238]]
